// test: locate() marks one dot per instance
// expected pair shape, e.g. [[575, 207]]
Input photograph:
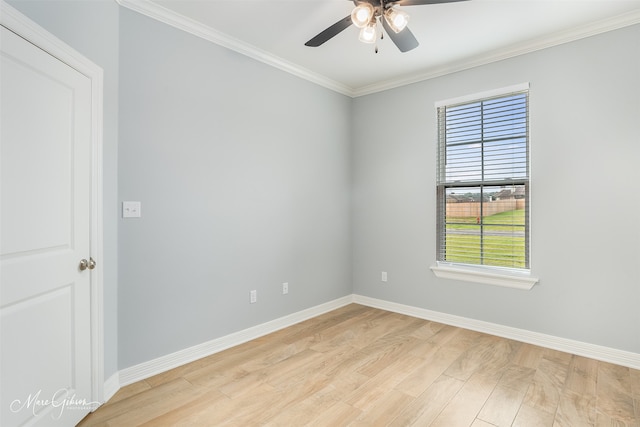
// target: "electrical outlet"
[[253, 296], [131, 209], [285, 288], [384, 276]]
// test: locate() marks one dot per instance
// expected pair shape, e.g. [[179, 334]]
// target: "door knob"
[[84, 264], [92, 264]]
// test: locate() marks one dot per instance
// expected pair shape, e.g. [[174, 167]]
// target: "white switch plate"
[[253, 296], [384, 276], [131, 209], [285, 288]]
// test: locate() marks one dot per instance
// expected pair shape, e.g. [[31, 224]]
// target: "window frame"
[[515, 277]]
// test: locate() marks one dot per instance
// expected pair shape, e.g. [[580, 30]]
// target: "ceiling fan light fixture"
[[396, 18], [362, 14], [368, 33]]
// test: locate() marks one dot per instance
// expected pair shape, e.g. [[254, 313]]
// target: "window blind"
[[483, 182]]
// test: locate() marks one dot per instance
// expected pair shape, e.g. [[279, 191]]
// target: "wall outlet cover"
[[131, 209]]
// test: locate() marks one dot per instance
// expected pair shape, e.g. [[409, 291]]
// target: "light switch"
[[131, 210]]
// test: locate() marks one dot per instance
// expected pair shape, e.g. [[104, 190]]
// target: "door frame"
[[15, 21]]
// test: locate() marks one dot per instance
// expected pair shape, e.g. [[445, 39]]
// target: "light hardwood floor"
[[361, 366]]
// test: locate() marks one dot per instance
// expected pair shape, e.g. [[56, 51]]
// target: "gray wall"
[[585, 127], [91, 28], [243, 175], [250, 177]]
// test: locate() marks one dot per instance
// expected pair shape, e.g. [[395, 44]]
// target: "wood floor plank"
[[464, 407], [635, 382], [228, 361], [298, 365], [340, 364], [362, 366], [517, 377], [456, 338], [583, 376], [428, 371], [274, 355], [426, 407], [195, 412], [385, 409], [142, 407], [604, 420], [339, 414], [546, 388], [502, 406], [327, 332], [614, 394], [529, 416], [382, 382], [384, 352], [528, 356], [575, 409], [376, 329], [182, 371], [232, 357], [486, 354], [214, 376], [329, 324], [285, 358], [299, 410], [344, 363], [254, 408], [577, 404], [427, 330], [635, 389]]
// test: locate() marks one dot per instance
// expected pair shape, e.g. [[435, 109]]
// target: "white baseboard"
[[111, 386], [162, 364], [593, 351], [173, 360]]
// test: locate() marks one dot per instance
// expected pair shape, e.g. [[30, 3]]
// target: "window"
[[483, 182]]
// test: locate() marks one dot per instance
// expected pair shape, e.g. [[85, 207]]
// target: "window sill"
[[505, 279]]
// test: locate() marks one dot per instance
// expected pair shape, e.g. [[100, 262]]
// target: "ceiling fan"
[[366, 15]]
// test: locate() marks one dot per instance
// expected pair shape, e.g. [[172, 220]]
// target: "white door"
[[45, 168]]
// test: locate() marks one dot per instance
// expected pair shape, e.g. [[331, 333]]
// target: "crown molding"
[[164, 15], [577, 33]]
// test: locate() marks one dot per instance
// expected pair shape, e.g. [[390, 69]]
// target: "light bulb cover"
[[396, 18], [361, 15], [368, 33]]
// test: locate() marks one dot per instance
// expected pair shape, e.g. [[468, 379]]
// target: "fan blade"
[[330, 32], [421, 2], [405, 40]]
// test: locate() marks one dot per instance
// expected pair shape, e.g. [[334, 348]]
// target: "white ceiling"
[[452, 36]]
